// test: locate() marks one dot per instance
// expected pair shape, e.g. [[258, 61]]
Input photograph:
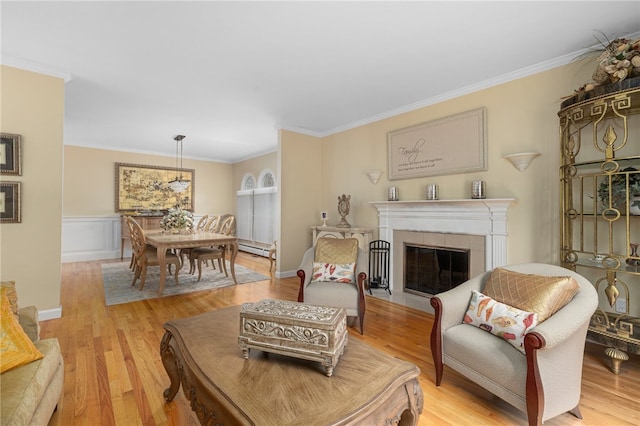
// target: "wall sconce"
[[521, 160], [374, 175]]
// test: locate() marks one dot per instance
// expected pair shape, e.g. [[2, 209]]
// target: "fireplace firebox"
[[431, 270]]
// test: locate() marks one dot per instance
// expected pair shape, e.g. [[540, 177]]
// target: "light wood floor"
[[114, 375]]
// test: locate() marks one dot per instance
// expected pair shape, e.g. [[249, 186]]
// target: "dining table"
[[164, 241]]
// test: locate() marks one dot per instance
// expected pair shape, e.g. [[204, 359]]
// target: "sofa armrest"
[[572, 317], [362, 264], [307, 264], [28, 318]]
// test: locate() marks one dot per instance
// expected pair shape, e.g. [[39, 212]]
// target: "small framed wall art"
[[10, 211], [10, 154]]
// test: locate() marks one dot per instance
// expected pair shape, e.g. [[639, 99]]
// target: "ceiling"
[[228, 75]]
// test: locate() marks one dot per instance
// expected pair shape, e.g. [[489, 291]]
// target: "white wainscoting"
[[91, 238], [94, 238]]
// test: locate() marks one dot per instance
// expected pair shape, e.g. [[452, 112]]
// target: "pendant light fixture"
[[179, 184]]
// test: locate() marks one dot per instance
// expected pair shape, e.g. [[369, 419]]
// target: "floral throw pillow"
[[333, 272], [507, 322]]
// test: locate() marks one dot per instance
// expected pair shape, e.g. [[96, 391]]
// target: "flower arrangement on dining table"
[[177, 220]]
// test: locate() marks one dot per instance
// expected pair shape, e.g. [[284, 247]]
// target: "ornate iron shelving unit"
[[600, 228]]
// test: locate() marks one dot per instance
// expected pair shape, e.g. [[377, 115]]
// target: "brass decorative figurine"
[[344, 206]]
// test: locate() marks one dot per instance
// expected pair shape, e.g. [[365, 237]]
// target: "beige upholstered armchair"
[[543, 377], [331, 285]]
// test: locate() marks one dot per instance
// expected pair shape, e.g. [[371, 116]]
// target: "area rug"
[[117, 278]]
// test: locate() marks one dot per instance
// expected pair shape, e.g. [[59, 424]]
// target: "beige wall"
[[33, 106], [521, 116], [89, 181], [300, 193]]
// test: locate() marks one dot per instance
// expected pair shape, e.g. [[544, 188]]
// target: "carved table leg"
[[329, 370], [170, 363], [232, 261], [417, 400]]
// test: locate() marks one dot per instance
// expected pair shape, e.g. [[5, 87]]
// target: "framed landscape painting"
[[146, 188]]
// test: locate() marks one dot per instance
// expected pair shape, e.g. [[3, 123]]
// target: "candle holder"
[[478, 190], [393, 193], [432, 192]]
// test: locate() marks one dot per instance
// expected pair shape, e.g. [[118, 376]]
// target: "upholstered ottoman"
[[295, 329]]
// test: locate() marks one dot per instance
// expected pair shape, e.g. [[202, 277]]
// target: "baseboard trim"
[[287, 274], [83, 257], [49, 314]]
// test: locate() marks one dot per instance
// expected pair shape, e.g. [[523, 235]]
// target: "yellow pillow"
[[336, 250], [10, 288], [16, 348], [544, 295]]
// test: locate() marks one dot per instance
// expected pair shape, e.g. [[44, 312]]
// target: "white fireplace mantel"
[[485, 217]]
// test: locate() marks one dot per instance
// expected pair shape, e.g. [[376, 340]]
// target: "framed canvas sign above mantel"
[[146, 188], [449, 145]]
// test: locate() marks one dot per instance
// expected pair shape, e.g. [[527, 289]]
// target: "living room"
[[312, 171]]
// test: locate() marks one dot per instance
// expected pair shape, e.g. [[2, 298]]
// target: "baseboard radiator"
[[254, 247]]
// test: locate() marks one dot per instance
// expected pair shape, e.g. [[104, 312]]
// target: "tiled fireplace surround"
[[477, 225]]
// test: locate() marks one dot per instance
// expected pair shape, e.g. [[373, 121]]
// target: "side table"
[[363, 235]]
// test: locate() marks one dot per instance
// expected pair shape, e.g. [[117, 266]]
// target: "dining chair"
[[146, 255], [202, 224], [273, 252], [203, 254], [128, 224], [212, 224], [222, 219]]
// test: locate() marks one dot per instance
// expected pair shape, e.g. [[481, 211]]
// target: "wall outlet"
[[621, 305]]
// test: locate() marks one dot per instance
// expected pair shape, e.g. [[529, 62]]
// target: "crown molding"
[[496, 81], [15, 62]]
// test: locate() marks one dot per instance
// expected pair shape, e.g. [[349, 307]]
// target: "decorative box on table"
[[295, 329]]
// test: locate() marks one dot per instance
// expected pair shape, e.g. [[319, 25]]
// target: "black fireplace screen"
[[432, 270]]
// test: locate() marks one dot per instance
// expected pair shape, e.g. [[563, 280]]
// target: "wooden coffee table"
[[367, 386]]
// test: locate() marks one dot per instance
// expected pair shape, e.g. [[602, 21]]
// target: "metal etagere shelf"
[[600, 221]]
